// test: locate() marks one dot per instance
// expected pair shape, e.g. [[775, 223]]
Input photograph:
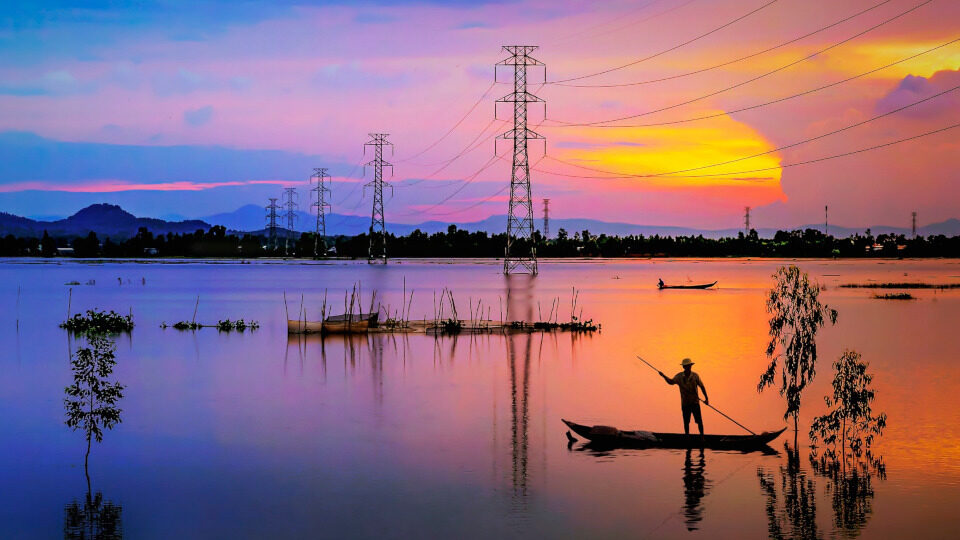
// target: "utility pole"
[[546, 219], [378, 224], [272, 224], [290, 202], [520, 211], [826, 220], [913, 226], [746, 220], [321, 204]]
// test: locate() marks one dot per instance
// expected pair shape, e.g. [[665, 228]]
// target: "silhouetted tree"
[[796, 314]]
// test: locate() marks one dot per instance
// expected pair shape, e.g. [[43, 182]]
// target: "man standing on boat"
[[688, 381]]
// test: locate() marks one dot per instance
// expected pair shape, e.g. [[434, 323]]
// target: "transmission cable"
[[781, 166], [785, 147], [455, 126], [748, 81], [772, 102], [729, 62], [675, 47]]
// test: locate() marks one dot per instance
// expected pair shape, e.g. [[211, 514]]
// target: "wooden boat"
[[304, 327], [357, 323], [336, 324], [612, 437], [702, 286]]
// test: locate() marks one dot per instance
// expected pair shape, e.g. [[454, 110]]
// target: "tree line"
[[455, 242]]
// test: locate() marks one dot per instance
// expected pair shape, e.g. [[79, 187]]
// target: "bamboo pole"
[[196, 307], [69, 302]]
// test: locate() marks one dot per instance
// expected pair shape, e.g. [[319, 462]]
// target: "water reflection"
[[695, 488], [851, 490], [791, 513], [519, 411], [92, 519]]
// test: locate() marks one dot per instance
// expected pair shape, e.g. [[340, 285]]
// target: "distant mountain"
[[103, 219], [111, 220]]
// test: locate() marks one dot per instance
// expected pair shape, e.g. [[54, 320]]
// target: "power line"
[[466, 181], [767, 103], [781, 166], [455, 126], [675, 47], [729, 62], [786, 146], [589, 30], [748, 81]]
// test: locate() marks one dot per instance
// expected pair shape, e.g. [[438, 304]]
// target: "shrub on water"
[[98, 322]]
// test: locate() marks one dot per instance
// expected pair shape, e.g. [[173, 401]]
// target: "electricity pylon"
[[913, 224], [520, 211], [272, 224], [322, 191], [546, 218], [746, 219], [290, 202], [378, 224]]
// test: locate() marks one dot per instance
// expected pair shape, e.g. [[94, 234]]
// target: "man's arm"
[[704, 390], [668, 379]]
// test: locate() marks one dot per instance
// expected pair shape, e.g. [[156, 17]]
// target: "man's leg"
[[686, 419], [698, 418]]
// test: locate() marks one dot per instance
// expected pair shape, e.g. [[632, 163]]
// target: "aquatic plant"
[[903, 285], [894, 296], [225, 325], [91, 401], [239, 325], [850, 422], [451, 326], [98, 322], [796, 314]]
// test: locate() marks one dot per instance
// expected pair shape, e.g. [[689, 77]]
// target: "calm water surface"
[[257, 435]]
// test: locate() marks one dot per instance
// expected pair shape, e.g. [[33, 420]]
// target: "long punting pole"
[[704, 402]]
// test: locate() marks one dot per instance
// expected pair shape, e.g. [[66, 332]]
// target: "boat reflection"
[[695, 488]]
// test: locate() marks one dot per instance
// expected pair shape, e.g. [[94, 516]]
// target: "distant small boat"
[[335, 324], [612, 437], [702, 286]]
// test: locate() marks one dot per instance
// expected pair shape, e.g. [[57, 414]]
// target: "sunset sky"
[[190, 108]]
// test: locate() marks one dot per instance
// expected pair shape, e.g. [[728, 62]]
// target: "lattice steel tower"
[[320, 203], [378, 224], [913, 224], [546, 218], [520, 211], [272, 223], [746, 219], [290, 202], [826, 220]]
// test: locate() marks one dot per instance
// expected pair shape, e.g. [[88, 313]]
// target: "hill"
[[106, 220]]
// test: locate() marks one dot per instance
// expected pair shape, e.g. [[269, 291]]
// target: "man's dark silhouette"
[[688, 381]]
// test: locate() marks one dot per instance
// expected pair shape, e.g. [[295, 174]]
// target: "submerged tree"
[[91, 402], [850, 422], [796, 314]]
